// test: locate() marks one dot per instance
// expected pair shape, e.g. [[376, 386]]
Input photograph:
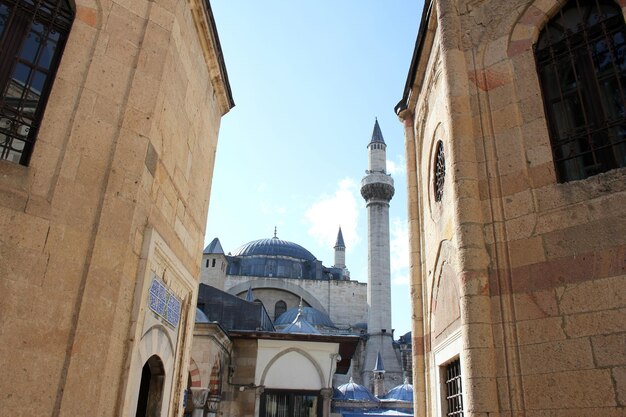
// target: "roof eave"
[[403, 104], [210, 42]]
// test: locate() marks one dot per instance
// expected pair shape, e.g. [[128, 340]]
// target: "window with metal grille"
[[32, 37], [283, 403], [454, 392], [439, 172], [581, 62]]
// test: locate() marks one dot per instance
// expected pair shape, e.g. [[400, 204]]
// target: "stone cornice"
[[212, 50]]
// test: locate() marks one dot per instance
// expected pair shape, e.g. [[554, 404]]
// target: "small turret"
[[214, 265], [340, 256], [340, 251], [379, 376]]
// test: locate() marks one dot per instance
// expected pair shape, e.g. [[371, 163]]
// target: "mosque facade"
[[275, 294], [280, 273]]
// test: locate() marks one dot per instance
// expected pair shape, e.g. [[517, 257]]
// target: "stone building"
[[281, 274], [243, 366], [515, 124], [109, 117]]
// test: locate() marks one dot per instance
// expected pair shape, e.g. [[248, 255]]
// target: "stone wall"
[[537, 266], [125, 153], [344, 301], [213, 270]]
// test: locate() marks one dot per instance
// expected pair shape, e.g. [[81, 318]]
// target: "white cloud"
[[261, 187], [402, 279], [329, 212], [399, 248], [268, 209], [397, 168]]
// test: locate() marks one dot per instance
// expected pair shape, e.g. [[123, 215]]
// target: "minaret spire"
[[340, 251], [377, 189], [377, 134]]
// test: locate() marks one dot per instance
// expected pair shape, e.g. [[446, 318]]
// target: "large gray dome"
[[275, 258], [274, 247]]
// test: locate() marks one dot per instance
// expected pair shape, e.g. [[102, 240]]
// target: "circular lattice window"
[[439, 172]]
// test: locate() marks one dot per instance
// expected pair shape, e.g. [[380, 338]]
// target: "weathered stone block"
[[569, 390]]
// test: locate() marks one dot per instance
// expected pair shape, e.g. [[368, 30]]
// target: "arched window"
[[151, 388], [581, 61], [439, 172], [279, 308], [32, 37]]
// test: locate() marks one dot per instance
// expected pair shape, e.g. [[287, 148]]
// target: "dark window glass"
[[279, 308], [5, 12], [581, 61], [32, 36]]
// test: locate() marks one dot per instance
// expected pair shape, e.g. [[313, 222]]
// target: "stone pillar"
[[198, 398], [327, 396], [257, 400]]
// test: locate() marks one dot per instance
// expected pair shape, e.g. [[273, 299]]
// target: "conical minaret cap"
[[377, 135], [340, 242]]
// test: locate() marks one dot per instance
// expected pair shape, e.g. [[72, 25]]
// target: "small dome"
[[405, 338], [274, 247], [355, 392], [311, 315], [300, 325], [338, 395], [402, 392], [201, 317]]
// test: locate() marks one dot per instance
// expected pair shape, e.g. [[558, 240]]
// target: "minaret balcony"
[[377, 185]]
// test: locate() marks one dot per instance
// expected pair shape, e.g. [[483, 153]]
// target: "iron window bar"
[[454, 391], [32, 37], [581, 63]]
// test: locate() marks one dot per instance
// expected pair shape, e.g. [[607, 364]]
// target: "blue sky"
[[308, 79]]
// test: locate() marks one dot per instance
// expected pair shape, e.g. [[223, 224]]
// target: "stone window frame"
[[443, 354], [28, 68], [439, 171], [576, 165]]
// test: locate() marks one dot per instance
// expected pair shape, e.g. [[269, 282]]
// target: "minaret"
[[377, 190], [340, 251]]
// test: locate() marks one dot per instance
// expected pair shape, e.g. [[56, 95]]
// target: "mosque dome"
[[274, 247], [300, 325], [338, 395], [310, 314], [402, 392], [355, 392], [201, 317]]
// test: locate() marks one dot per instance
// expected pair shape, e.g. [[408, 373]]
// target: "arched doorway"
[[151, 388]]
